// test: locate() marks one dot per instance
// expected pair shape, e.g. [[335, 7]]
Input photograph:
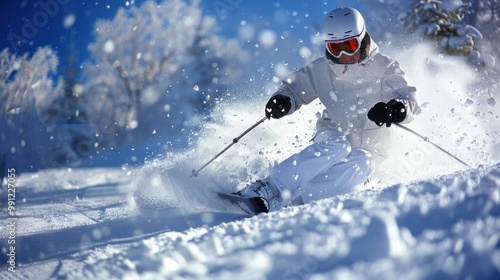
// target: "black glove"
[[278, 106], [392, 112]]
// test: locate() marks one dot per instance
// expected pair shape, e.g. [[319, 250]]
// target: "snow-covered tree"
[[443, 21], [155, 63], [486, 17], [25, 82], [42, 123], [22, 78]]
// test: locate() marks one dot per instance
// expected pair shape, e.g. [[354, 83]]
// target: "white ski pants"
[[326, 168]]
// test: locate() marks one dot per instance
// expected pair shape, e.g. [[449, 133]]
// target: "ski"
[[249, 205]]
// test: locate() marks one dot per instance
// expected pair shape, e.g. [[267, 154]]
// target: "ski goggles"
[[348, 47]]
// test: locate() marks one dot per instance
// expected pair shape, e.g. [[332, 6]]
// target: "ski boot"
[[265, 190]]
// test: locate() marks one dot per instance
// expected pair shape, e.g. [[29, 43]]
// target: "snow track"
[[445, 227]]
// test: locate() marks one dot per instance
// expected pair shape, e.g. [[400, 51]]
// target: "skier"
[[352, 77]]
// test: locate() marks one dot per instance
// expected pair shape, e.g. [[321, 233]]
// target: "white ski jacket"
[[348, 92]]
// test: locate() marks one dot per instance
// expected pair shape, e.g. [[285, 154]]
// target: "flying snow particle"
[[69, 20], [469, 102], [305, 52], [189, 22], [109, 46], [333, 95], [150, 96], [491, 102], [196, 88], [96, 233], [488, 60], [267, 38], [36, 84], [281, 70], [286, 194], [78, 89], [16, 66], [133, 125]]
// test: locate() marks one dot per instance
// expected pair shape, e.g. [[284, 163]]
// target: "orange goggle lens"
[[350, 47]]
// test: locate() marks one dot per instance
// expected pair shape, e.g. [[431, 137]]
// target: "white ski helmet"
[[343, 30]]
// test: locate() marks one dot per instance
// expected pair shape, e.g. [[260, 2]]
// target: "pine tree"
[[68, 119], [444, 22], [486, 16]]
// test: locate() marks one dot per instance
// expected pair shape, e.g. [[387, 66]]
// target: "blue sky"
[[42, 22], [47, 19]]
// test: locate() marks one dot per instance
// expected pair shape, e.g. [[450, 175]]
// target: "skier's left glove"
[[391, 112], [278, 106]]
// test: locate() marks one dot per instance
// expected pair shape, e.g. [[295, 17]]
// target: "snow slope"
[[84, 224], [157, 222]]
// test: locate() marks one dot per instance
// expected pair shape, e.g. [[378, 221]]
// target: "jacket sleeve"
[[301, 86], [395, 86]]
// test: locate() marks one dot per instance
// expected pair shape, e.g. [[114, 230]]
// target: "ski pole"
[[235, 140], [426, 139]]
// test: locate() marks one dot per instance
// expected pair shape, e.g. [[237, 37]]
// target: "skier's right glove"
[[278, 106]]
